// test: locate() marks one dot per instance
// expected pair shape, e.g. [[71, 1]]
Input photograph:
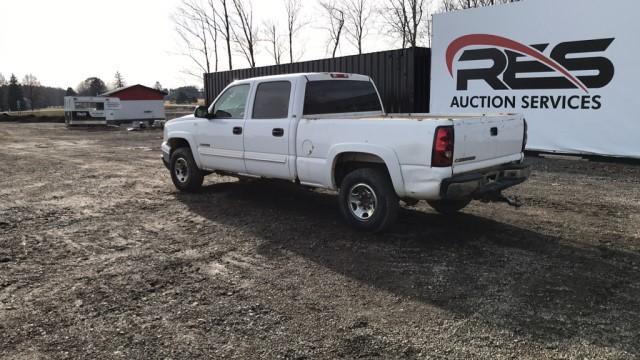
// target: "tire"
[[449, 207], [371, 186], [184, 172]]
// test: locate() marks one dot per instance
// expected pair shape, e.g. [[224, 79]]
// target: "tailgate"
[[487, 141]]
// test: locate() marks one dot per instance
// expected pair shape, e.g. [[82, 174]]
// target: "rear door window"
[[340, 96], [272, 100]]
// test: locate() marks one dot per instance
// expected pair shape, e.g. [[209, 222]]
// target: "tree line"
[[211, 32], [29, 94]]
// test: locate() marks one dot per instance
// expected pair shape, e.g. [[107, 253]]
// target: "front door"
[[220, 138], [268, 131]]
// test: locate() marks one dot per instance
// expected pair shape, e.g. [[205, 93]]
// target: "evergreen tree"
[[14, 94], [3, 93], [70, 92], [118, 80], [182, 98]]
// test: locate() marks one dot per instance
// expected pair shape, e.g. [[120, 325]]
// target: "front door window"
[[232, 103]]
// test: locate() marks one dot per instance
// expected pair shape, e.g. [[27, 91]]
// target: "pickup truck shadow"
[[536, 286]]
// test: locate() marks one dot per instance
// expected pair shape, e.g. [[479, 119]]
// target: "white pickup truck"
[[329, 130]]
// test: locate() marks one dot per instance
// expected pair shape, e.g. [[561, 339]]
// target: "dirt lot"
[[101, 258]]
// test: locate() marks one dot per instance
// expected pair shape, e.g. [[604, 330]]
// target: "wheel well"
[[177, 143], [347, 162]]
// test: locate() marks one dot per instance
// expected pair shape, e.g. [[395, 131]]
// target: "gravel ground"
[[100, 257]]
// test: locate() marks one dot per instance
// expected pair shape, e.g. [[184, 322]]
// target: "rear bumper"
[[484, 182]]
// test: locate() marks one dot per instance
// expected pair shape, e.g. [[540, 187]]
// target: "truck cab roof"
[[312, 76]]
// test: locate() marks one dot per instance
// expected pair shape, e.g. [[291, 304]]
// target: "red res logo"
[[506, 55]]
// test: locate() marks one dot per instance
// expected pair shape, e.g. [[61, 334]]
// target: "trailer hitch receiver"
[[498, 197]]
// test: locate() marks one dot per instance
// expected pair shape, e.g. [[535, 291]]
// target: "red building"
[[139, 103]]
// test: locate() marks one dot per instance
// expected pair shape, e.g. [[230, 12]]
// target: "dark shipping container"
[[402, 76]]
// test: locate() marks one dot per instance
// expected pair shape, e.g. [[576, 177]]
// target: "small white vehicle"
[[90, 110], [329, 130]]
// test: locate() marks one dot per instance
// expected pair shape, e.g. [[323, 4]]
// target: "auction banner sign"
[[572, 67]]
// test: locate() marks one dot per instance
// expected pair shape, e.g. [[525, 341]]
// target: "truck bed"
[[481, 140]]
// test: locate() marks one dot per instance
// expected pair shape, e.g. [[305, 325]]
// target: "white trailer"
[[139, 111], [90, 110], [139, 104]]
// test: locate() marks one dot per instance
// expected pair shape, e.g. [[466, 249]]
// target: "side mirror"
[[201, 112]]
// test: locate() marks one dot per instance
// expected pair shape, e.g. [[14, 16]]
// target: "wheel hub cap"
[[182, 170], [362, 201]]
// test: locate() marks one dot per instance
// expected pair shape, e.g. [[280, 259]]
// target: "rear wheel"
[[448, 207], [184, 172], [368, 201]]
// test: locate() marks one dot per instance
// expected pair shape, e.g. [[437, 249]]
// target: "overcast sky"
[[63, 42]]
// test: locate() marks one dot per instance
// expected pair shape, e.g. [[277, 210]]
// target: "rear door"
[[486, 141], [268, 131]]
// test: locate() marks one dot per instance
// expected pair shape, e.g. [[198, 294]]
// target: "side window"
[[231, 103], [272, 100]]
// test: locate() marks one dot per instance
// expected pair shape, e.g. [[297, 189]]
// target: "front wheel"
[[449, 207], [184, 172], [368, 201]]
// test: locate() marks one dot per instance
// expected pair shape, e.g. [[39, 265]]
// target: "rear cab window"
[[272, 100], [340, 96]]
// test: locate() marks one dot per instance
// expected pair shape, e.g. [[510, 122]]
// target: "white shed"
[[138, 103]]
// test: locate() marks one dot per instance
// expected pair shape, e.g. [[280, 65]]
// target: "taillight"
[[339, 75], [443, 147], [525, 137]]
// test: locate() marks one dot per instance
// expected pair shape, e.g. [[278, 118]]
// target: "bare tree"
[[417, 12], [222, 22], [405, 20], [275, 47], [335, 27], [212, 28], [225, 29], [294, 23], [246, 36], [396, 20], [3, 81], [197, 33], [30, 83], [450, 5], [357, 14]]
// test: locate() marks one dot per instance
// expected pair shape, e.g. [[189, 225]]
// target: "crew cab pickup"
[[330, 130]]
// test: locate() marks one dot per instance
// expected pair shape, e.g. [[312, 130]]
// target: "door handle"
[[278, 132], [237, 130]]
